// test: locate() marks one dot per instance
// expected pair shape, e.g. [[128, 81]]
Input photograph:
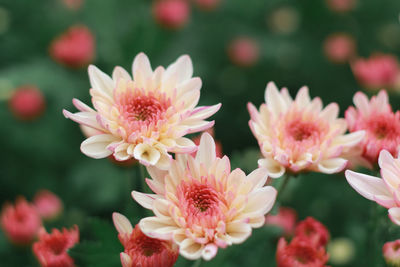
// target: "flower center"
[[301, 131], [383, 127], [201, 197], [148, 246], [304, 255], [57, 245], [141, 108]]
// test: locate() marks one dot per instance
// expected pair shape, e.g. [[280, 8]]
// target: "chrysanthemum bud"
[[314, 231], [171, 14], [300, 252], [391, 253], [339, 47], [51, 249], [20, 222], [74, 48], [243, 51], [27, 102], [48, 204]]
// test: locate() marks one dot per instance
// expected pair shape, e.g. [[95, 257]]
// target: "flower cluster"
[[22, 221], [200, 205], [307, 248]]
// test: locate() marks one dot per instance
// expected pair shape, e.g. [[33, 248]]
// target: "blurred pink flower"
[[73, 4], [171, 14], [47, 204], [339, 47], [385, 191], [300, 252], [141, 250], [377, 72], [341, 5], [201, 205], [243, 51], [391, 252], [74, 48], [51, 250], [27, 102], [381, 125], [297, 135], [207, 5], [20, 222], [286, 219], [314, 231], [144, 118]]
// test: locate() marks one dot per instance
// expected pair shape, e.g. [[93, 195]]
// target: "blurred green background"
[[45, 153]]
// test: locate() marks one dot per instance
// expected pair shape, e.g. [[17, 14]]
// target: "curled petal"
[[96, 146]]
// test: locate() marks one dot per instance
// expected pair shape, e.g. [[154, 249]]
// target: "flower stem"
[[283, 186], [197, 263], [142, 174]]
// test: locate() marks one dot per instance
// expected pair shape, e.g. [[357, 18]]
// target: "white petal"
[[190, 249], [258, 177], [126, 261], [349, 140], [158, 228], [146, 154], [182, 68], [385, 158], [85, 118], [206, 151], [274, 100], [361, 102], [120, 73], [184, 145], [238, 232], [332, 165], [303, 97], [330, 112], [209, 252], [201, 113], [191, 85], [274, 169], [145, 200], [261, 200], [120, 152], [394, 214], [122, 223], [366, 185], [81, 106], [164, 162], [96, 146], [101, 81], [141, 69]]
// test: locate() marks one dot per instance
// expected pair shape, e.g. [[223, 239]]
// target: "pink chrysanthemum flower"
[[147, 117], [378, 71], [300, 252], [381, 125], [297, 135], [201, 205], [391, 252], [141, 250], [20, 222], [51, 248], [385, 191]]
